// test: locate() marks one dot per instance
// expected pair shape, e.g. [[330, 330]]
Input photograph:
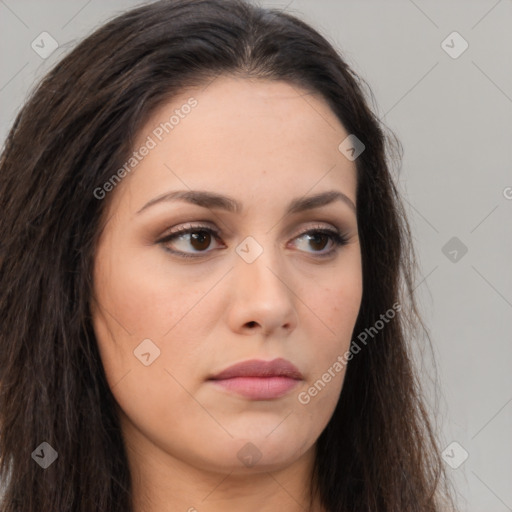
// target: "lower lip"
[[258, 388]]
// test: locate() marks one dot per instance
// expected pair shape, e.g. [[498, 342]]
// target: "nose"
[[263, 300]]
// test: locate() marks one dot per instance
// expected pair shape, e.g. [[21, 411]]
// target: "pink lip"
[[259, 380]]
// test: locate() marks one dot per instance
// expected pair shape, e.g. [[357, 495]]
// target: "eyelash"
[[337, 238]]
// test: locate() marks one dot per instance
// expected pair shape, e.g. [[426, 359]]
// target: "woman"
[[206, 294]]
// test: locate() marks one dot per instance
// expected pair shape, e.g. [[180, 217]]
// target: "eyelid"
[[207, 225], [185, 229], [338, 238]]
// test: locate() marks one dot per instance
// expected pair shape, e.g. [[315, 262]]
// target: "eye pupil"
[[315, 239], [200, 236]]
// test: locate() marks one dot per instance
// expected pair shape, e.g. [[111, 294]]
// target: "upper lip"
[[258, 368]]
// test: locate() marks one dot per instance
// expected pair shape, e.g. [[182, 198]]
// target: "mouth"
[[259, 380]]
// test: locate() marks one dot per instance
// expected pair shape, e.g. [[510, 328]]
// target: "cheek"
[[128, 308], [143, 299], [331, 330], [338, 308], [338, 305], [137, 302]]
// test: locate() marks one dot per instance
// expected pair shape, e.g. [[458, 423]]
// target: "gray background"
[[453, 117]]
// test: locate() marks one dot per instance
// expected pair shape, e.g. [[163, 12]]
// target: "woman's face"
[[246, 284]]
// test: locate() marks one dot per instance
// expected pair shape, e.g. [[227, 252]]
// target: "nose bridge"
[[262, 293], [261, 279], [260, 261]]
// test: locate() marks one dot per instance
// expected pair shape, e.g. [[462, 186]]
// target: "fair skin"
[[264, 144]]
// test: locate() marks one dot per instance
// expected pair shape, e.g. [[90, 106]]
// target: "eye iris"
[[200, 237], [314, 238]]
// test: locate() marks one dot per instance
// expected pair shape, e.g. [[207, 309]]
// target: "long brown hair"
[[378, 452]]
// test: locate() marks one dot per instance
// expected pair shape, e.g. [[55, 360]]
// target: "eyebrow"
[[212, 200]]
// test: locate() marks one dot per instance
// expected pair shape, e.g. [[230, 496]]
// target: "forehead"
[[253, 110], [250, 135]]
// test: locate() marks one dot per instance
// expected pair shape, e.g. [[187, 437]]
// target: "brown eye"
[[200, 240], [190, 242], [318, 240], [196, 241]]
